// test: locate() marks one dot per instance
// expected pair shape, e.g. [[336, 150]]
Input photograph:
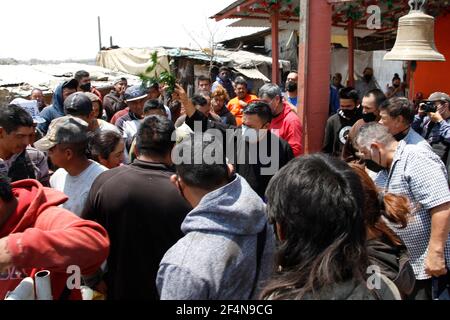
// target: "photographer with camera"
[[433, 123]]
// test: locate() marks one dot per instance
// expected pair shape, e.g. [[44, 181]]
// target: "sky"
[[58, 30]]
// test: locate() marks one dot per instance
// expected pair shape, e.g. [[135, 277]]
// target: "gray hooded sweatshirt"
[[216, 259]]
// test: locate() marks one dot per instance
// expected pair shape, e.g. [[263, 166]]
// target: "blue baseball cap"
[[135, 93]]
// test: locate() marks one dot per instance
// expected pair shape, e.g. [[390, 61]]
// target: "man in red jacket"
[[285, 123], [36, 234]]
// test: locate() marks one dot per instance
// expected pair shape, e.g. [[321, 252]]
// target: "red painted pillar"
[[351, 54], [274, 18], [314, 71]]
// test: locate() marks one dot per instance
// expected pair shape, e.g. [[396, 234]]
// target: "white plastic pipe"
[[24, 291], [43, 285]]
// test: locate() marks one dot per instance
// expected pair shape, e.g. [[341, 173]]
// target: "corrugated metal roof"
[[231, 6], [244, 59], [260, 23], [20, 79], [253, 74]]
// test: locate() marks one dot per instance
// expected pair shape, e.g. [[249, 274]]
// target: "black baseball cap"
[[78, 104], [70, 84]]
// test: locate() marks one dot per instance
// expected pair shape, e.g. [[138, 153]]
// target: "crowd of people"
[[154, 196]]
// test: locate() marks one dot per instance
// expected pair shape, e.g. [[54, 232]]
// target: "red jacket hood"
[[33, 198]]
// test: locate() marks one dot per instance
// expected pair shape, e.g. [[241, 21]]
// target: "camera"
[[428, 106]]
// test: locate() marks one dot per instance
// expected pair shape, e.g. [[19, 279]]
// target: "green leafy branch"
[[166, 77]]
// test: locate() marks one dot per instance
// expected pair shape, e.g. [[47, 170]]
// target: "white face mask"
[[253, 135], [249, 134]]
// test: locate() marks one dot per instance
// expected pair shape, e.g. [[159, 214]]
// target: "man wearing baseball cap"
[[128, 124], [81, 105], [433, 123], [66, 143]]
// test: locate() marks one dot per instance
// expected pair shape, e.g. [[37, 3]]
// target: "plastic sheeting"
[[131, 60], [383, 70]]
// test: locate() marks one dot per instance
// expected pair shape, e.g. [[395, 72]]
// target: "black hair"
[[154, 136], [100, 108], [199, 100], [224, 68], [317, 202], [261, 109], [12, 117], [349, 93], [6, 193], [154, 104], [36, 89], [399, 106], [80, 149], [204, 78], [80, 75], [174, 105], [103, 143], [240, 80], [202, 162], [70, 84], [396, 77], [380, 97]]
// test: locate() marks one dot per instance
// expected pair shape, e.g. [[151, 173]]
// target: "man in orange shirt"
[[243, 98]]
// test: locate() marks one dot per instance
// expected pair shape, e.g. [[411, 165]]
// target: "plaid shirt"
[[419, 174]]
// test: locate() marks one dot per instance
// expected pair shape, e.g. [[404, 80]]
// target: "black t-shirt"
[[336, 133], [236, 148], [142, 212]]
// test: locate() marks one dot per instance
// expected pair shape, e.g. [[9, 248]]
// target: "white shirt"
[[76, 187]]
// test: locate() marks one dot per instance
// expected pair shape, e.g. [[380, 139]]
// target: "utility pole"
[[99, 34]]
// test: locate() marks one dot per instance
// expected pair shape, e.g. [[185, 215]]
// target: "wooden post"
[[351, 54], [314, 71], [274, 18]]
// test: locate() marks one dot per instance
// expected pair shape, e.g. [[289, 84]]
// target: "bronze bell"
[[415, 37]]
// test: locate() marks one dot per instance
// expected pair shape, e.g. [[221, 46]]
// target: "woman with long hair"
[[316, 205], [385, 249]]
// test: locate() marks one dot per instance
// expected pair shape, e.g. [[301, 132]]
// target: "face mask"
[[249, 134], [347, 114], [291, 87], [369, 117], [225, 77], [368, 77], [400, 136], [86, 87], [372, 165]]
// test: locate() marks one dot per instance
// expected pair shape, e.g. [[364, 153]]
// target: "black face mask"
[[347, 114], [373, 166], [368, 77], [291, 87], [400, 136], [369, 117], [86, 87]]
